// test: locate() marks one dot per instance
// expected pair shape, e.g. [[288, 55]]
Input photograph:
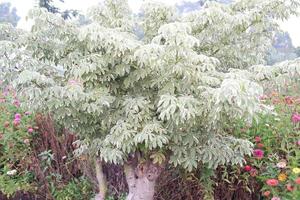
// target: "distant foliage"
[[8, 14], [282, 49], [48, 5]]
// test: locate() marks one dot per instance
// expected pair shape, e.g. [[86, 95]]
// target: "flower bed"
[[16, 133], [276, 156]]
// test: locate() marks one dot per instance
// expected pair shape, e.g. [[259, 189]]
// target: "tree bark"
[[101, 179], [141, 180]]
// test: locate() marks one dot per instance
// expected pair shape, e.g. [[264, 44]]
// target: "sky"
[[292, 25]]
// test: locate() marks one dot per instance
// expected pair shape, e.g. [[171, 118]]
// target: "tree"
[[282, 48], [48, 5], [8, 15], [167, 98], [297, 51]]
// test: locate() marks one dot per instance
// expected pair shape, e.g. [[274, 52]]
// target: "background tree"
[[8, 14], [282, 49], [168, 98], [48, 4]]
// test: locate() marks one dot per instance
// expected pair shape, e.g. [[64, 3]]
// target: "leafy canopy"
[[170, 94]]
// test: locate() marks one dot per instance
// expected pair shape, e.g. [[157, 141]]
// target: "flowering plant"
[[16, 133], [276, 153]]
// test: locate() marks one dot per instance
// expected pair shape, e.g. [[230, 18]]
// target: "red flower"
[[288, 100], [297, 181], [253, 172], [258, 153], [272, 182], [267, 193], [260, 145], [289, 187], [247, 168], [257, 139]]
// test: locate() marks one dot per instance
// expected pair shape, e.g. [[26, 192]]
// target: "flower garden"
[[274, 164]]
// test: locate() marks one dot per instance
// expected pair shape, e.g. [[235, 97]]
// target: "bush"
[[76, 189]]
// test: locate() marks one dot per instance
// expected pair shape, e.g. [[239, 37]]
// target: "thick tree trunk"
[[141, 181], [101, 179]]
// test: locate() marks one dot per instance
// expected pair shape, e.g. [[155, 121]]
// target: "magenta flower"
[[258, 153], [275, 198], [295, 118], [17, 116], [17, 120]]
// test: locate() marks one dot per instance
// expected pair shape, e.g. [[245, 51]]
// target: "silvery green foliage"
[[172, 92], [154, 16], [225, 31]]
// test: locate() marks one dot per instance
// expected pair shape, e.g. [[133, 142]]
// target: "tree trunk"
[[141, 181], [101, 179]]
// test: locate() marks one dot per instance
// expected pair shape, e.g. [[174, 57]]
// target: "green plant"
[[75, 189], [121, 197]]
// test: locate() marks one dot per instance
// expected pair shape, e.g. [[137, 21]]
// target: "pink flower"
[[71, 82], [253, 172], [18, 116], [17, 103], [297, 181], [30, 130], [275, 198], [272, 182], [263, 97], [2, 100], [258, 153], [257, 139], [298, 142], [247, 168], [289, 187], [288, 100], [267, 193], [281, 164], [16, 122], [295, 118], [27, 113]]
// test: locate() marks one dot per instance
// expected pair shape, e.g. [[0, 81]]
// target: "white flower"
[[12, 172], [281, 164]]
